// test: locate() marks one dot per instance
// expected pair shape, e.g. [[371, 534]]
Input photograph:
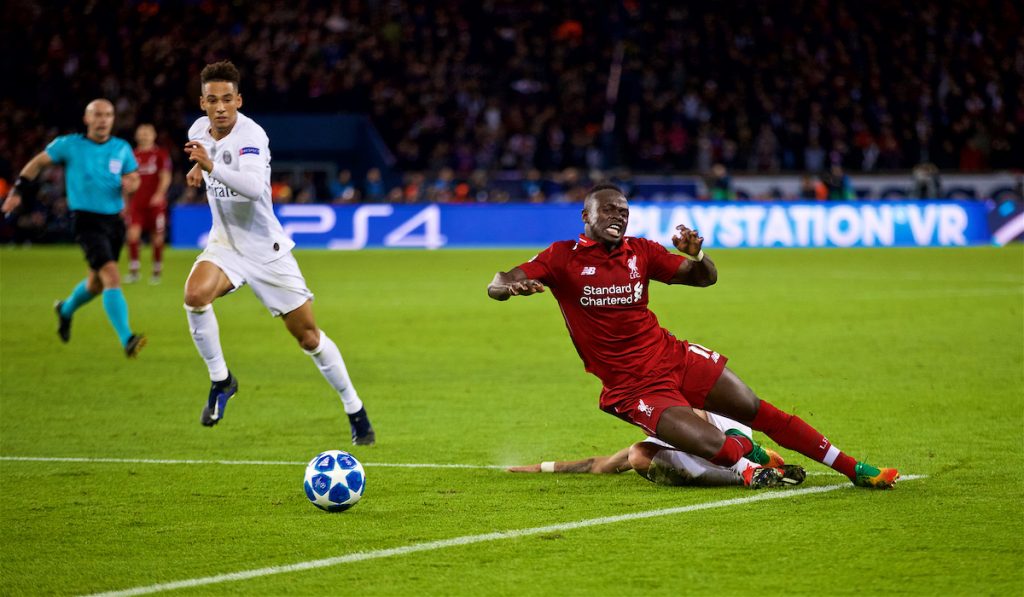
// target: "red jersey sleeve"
[[541, 267], [661, 265]]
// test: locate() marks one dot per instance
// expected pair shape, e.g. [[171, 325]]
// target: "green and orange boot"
[[866, 475]]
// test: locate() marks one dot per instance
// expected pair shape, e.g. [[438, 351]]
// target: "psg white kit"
[[246, 240]]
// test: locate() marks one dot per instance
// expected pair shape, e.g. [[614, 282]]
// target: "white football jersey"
[[245, 224]]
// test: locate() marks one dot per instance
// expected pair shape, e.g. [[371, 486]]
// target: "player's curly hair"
[[224, 70]]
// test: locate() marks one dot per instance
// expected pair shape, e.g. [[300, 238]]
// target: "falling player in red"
[[651, 379], [148, 209]]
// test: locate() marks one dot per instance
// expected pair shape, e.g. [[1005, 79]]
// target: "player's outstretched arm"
[[598, 465], [26, 180], [512, 283], [698, 269]]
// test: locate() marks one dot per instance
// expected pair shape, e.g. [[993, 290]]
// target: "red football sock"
[[734, 448], [133, 251], [790, 431], [158, 258]]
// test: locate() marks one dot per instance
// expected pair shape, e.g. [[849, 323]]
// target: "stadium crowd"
[[552, 91]]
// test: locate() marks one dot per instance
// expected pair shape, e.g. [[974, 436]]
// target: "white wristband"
[[547, 467], [699, 257]]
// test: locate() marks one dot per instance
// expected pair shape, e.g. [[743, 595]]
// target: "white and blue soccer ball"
[[335, 481]]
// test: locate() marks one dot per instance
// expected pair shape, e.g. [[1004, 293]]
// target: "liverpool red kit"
[[603, 297], [151, 163]]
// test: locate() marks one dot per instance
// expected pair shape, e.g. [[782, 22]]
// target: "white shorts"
[[279, 284]]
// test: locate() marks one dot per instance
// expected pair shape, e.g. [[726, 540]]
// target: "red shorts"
[[691, 375], [149, 218]]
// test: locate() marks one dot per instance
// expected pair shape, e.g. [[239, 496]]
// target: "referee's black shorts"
[[101, 236]]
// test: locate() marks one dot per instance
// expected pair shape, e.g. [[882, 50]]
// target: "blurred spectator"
[[811, 187], [343, 190], [373, 187], [838, 184], [926, 182], [572, 187], [414, 190], [305, 191], [280, 190], [814, 157], [479, 186], [533, 187], [442, 188], [720, 185]]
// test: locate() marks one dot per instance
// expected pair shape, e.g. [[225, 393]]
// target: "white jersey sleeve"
[[253, 157]]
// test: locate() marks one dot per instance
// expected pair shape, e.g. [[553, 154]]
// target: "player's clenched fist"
[[687, 241], [197, 153], [194, 178], [525, 288]]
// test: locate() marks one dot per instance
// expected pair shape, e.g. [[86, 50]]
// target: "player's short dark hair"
[[220, 71], [601, 186], [605, 186]]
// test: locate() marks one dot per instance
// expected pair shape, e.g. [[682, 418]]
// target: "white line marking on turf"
[[469, 540], [235, 462]]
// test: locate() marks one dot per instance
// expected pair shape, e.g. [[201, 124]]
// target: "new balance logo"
[[645, 408], [588, 271]]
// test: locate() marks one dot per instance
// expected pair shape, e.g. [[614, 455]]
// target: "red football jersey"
[[603, 297], [151, 163]]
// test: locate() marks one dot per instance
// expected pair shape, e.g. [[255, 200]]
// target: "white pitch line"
[[468, 540], [234, 462]]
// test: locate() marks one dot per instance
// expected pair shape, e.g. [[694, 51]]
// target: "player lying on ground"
[[660, 463], [99, 169], [651, 379], [248, 246]]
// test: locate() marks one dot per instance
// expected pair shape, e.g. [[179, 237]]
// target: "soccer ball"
[[335, 481]]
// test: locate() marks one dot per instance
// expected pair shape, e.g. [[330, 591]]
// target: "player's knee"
[[197, 297], [640, 456], [109, 276], [94, 285], [309, 339]]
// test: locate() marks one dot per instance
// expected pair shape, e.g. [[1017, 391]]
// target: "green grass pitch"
[[909, 358]]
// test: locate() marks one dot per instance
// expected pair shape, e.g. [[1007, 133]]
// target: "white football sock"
[[202, 322], [328, 359], [743, 464]]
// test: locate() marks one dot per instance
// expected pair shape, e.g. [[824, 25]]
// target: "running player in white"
[[248, 246], [663, 464]]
